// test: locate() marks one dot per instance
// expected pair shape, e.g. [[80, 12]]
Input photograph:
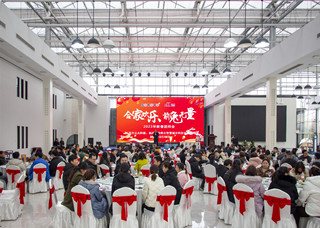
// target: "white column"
[[47, 115], [271, 113], [80, 122], [227, 121]]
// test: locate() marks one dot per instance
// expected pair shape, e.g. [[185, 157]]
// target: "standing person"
[[56, 142], [170, 178], [16, 161], [182, 174], [73, 163], [38, 159], [230, 177], [155, 137], [61, 142]]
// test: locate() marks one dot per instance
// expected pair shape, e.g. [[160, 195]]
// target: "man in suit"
[[155, 137]]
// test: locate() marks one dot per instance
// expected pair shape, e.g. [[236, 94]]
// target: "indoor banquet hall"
[[162, 114]]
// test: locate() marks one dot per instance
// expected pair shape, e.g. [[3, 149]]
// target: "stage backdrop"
[[177, 119]]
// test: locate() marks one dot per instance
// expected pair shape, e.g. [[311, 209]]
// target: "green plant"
[[252, 143], [245, 143]]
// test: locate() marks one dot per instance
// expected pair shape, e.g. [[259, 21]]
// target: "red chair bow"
[[277, 203], [80, 198], [166, 201], [188, 192], [221, 188], [106, 171], [60, 168], [243, 171], [39, 171], [190, 175], [13, 172], [124, 201], [22, 190], [242, 196], [145, 172], [1, 190], [210, 181], [50, 196]]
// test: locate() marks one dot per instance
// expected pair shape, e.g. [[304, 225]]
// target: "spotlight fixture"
[[107, 71], [185, 74], [77, 43], [103, 74], [230, 42], [148, 74], [293, 95], [314, 103], [112, 74], [109, 44], [204, 87], [262, 42], [308, 87], [168, 74], [93, 42], [97, 70], [139, 74], [107, 86], [177, 74]]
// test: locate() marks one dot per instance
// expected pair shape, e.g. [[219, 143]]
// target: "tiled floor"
[[36, 215]]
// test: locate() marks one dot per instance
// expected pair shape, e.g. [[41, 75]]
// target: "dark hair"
[[38, 154], [227, 162], [253, 155], [283, 150], [197, 156], [266, 160], [261, 156], [89, 174], [124, 167], [314, 171], [154, 170], [92, 154], [16, 154], [242, 154], [72, 157], [158, 158], [299, 165], [317, 156], [280, 173], [180, 165], [316, 164], [81, 166], [166, 155], [123, 156], [267, 152], [251, 171], [235, 169], [55, 153], [166, 164], [141, 156]]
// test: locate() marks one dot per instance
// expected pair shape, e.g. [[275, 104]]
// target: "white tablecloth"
[[266, 181]]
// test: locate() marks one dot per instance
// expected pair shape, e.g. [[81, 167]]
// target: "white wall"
[[59, 117], [218, 119], [15, 111]]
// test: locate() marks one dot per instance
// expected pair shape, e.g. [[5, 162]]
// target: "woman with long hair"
[[105, 159], [141, 161], [230, 177], [264, 170], [299, 171]]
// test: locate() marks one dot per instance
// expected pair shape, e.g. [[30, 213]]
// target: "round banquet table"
[[266, 181], [106, 187]]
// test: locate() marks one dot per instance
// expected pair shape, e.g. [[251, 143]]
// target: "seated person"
[[182, 174], [74, 178], [254, 181], [2, 158], [123, 159], [113, 156], [158, 162], [230, 177], [242, 156], [166, 157], [141, 162], [196, 168], [170, 178], [183, 155], [254, 159], [299, 171], [305, 156], [123, 178], [316, 157], [105, 159], [16, 161], [91, 162], [38, 159], [73, 163], [98, 202], [289, 159], [56, 159], [283, 181], [264, 170], [222, 169], [152, 186]]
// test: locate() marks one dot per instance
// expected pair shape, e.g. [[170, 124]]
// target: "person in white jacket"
[[309, 197], [152, 186], [16, 161]]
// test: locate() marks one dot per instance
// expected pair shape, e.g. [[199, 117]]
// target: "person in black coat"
[[230, 177], [222, 169], [123, 178], [105, 159], [123, 159], [305, 156], [155, 137], [54, 163], [289, 159], [158, 162], [283, 181], [182, 156], [195, 163], [170, 178], [73, 163], [91, 163]]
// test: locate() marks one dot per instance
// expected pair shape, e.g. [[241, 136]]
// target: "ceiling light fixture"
[[230, 42], [214, 71], [245, 42], [93, 42], [108, 43], [108, 70], [77, 43], [262, 42], [204, 70], [120, 70]]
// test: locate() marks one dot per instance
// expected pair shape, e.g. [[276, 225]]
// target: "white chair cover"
[[226, 208], [286, 219], [157, 219], [9, 204], [210, 174], [249, 218], [116, 220], [57, 180], [313, 222], [196, 181], [286, 165], [36, 186], [189, 171], [21, 186], [105, 169], [147, 168], [182, 215], [13, 172], [87, 218]]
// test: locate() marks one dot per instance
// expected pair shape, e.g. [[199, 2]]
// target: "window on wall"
[[54, 135], [54, 101], [22, 88], [26, 90], [18, 137], [18, 87], [22, 137]]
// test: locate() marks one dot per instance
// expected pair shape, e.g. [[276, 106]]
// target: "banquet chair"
[[63, 216], [57, 180], [162, 216], [245, 213], [313, 222], [99, 157], [210, 185], [145, 170], [286, 165], [182, 215], [9, 204], [277, 207], [84, 216], [105, 169], [21, 186], [197, 181], [124, 208], [13, 174], [38, 182], [226, 207]]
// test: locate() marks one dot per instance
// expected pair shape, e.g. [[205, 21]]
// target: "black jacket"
[[66, 172], [221, 170], [308, 158], [2, 161], [95, 168], [196, 168], [290, 161], [113, 158], [53, 165], [230, 180], [122, 180], [170, 178], [288, 185], [182, 157], [117, 169]]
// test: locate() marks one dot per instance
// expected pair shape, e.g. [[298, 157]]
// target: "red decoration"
[[165, 201], [13, 172], [50, 196], [123, 201], [188, 192], [1, 189], [145, 172], [106, 171], [80, 198], [277, 203], [242, 196], [39, 172], [60, 168], [190, 175], [221, 188], [22, 189], [210, 181]]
